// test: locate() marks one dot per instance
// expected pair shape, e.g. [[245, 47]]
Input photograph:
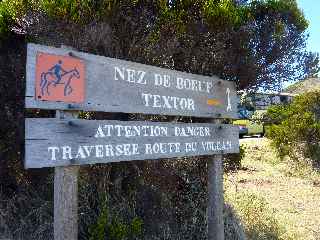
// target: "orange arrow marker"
[[213, 102]]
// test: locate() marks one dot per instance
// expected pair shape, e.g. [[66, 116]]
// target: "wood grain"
[[104, 93], [215, 196], [66, 195], [66, 203], [157, 141]]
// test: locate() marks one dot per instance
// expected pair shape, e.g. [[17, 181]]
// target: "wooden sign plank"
[[113, 85], [53, 142]]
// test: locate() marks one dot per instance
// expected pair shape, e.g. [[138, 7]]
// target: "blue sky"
[[311, 10]]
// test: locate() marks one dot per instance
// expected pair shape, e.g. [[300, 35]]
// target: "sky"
[[311, 10]]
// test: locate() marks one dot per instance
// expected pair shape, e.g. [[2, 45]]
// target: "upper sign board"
[[64, 79]]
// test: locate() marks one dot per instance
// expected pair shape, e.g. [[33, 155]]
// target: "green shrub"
[[114, 228], [9, 9], [77, 11], [295, 129], [225, 12]]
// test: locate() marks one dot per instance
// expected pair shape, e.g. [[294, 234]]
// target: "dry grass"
[[291, 193]]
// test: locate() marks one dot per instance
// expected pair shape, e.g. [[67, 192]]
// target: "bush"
[[114, 228], [27, 214], [295, 129]]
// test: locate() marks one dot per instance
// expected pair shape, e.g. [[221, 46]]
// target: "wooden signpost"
[[67, 80]]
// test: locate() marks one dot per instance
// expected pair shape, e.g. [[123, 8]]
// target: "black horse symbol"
[[57, 75]]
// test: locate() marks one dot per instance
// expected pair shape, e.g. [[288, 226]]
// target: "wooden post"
[[66, 196], [216, 201]]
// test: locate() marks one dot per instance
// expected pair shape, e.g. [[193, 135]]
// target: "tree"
[[295, 128]]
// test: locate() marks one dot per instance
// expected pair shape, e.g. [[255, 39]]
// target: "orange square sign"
[[59, 78]]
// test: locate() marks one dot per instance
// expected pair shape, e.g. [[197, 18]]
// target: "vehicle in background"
[[252, 108], [248, 127], [243, 130], [243, 114]]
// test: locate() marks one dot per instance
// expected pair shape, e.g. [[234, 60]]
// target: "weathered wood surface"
[[66, 195], [114, 85], [66, 203], [215, 196], [52, 142]]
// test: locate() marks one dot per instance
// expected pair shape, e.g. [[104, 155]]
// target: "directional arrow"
[[229, 107]]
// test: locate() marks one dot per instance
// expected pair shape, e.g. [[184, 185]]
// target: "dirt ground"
[[293, 193]]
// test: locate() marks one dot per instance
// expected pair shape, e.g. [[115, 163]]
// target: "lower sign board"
[[54, 142]]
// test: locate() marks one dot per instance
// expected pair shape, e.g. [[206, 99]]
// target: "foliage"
[[296, 127], [220, 14], [113, 228], [255, 43], [161, 193], [80, 11], [8, 15], [289, 7], [259, 116], [27, 213]]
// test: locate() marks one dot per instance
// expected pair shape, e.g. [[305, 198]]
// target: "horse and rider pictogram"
[[59, 78]]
